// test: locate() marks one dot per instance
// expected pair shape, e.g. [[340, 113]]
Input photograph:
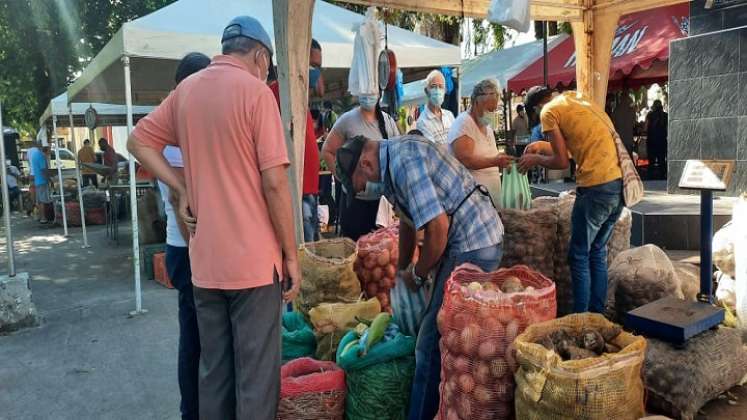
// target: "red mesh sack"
[[310, 390], [376, 265], [481, 315]]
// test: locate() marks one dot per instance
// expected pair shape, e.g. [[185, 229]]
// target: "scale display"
[[713, 175]]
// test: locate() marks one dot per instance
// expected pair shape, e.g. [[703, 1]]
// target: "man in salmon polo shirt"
[[235, 200]]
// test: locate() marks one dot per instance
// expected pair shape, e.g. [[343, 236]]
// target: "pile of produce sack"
[[376, 265], [481, 315], [639, 276], [605, 385], [530, 238], [332, 321], [379, 364], [298, 337], [680, 381], [311, 390], [328, 276]]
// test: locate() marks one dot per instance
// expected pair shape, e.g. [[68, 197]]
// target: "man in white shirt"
[[435, 122]]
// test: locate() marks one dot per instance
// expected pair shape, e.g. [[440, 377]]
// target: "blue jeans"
[[310, 217], [180, 273], [594, 215], [425, 396]]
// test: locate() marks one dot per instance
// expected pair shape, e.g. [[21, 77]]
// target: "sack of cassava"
[[591, 370], [530, 238], [328, 276]]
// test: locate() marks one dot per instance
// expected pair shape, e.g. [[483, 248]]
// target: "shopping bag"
[[515, 191], [511, 13], [407, 307]]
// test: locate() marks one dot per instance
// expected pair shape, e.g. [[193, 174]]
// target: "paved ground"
[[88, 359]]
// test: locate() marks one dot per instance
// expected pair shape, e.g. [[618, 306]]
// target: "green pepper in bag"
[[515, 191]]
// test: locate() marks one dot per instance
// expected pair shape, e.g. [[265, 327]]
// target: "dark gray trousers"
[[241, 356]]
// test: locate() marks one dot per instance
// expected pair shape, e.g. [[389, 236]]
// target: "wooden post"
[[593, 39], [292, 23]]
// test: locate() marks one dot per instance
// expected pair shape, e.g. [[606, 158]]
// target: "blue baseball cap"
[[248, 27]]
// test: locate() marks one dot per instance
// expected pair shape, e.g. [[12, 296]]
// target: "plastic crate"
[[146, 258], [161, 276]]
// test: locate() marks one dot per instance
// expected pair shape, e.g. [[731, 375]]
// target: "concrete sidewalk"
[[88, 359]]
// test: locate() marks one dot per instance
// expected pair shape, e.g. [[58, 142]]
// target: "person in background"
[[178, 267], [624, 118], [239, 216], [310, 200], [472, 140], [656, 135], [358, 216], [574, 124], [14, 193], [32, 186], [432, 192], [87, 155], [520, 124], [434, 122], [316, 80], [109, 160], [40, 167]]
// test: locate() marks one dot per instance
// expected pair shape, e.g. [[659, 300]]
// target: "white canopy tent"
[[109, 114], [500, 65], [137, 65], [156, 42]]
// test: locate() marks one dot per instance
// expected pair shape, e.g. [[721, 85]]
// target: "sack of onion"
[[332, 321], [481, 315], [376, 264], [594, 387], [680, 381], [379, 365], [529, 238], [328, 276], [311, 390]]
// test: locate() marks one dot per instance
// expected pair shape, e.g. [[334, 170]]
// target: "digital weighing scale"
[[675, 320]]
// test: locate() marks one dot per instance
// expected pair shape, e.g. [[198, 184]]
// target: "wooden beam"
[[563, 10], [292, 22], [625, 7]]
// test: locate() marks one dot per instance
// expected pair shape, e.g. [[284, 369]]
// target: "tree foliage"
[[44, 43]]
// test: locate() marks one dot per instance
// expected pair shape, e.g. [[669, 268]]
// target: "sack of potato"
[[328, 276], [619, 241], [591, 370], [481, 315], [639, 276], [680, 381], [332, 320], [529, 238], [376, 265]]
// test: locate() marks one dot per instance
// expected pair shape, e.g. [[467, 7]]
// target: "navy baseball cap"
[[248, 27]]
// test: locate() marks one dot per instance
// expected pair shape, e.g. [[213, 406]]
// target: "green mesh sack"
[[378, 383], [298, 337]]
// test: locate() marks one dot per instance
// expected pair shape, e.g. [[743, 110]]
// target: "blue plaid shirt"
[[424, 182]]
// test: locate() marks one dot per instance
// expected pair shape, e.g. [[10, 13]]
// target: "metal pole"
[[133, 192], [459, 89], [78, 178], [6, 202], [59, 171], [706, 236], [545, 29]]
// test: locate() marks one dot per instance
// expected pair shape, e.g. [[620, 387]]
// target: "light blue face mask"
[[486, 119], [368, 102], [373, 192], [436, 96]]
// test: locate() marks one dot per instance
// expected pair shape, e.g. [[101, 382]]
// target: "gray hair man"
[[472, 139], [434, 122]]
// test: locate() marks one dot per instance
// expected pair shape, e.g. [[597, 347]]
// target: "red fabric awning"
[[640, 51]]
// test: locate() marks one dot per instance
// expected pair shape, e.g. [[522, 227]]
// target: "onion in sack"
[[370, 262], [498, 368], [391, 272], [461, 365], [376, 274], [482, 373], [372, 289], [383, 258], [452, 342], [469, 338], [441, 321], [459, 321], [511, 358], [464, 407], [505, 390], [512, 330], [383, 298], [482, 395], [488, 349], [466, 383], [505, 315]]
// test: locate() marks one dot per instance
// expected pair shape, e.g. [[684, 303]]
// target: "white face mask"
[[262, 74], [368, 102]]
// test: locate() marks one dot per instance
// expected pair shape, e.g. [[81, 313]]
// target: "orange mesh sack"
[[606, 387], [481, 315], [376, 265], [311, 390]]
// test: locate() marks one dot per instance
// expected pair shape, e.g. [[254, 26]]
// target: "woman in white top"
[[471, 139]]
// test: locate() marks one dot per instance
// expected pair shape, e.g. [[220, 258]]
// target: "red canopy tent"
[[640, 52]]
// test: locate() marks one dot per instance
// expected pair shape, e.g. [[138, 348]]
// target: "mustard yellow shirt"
[[586, 128]]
